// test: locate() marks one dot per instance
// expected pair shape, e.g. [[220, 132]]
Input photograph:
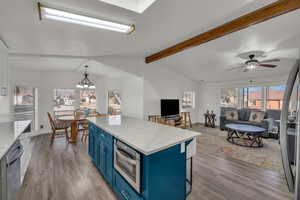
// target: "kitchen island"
[[11, 151], [141, 160]]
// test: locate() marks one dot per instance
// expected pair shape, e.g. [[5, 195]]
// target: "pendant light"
[[85, 83]]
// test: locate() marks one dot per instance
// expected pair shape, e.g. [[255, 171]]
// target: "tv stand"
[[171, 117]]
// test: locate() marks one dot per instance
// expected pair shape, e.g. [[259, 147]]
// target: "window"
[[64, 102], [88, 99], [275, 97], [229, 97], [24, 96], [114, 103], [252, 98], [24, 104]]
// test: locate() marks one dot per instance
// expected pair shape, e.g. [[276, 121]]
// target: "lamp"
[[85, 83]]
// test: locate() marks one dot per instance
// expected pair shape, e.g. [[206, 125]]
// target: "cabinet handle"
[[124, 194]]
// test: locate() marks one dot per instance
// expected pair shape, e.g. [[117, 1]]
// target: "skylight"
[[138, 6]]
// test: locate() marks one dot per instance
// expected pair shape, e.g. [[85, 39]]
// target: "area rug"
[[213, 140]]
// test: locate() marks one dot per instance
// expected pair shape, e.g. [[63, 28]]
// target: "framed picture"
[[114, 102], [188, 100]]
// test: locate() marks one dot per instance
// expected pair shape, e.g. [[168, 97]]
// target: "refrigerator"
[[289, 132]]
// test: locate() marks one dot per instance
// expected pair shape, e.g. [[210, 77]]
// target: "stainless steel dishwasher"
[[11, 172]]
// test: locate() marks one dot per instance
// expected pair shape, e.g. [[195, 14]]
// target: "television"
[[169, 107]]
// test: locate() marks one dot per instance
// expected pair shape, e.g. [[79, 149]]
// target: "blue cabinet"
[[123, 189], [92, 144], [100, 150]]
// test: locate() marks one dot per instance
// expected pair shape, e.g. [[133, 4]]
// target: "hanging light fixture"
[[85, 83]]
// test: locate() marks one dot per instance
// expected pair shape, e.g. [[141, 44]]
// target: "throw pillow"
[[232, 115], [256, 116]]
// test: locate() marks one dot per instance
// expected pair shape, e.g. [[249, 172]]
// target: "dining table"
[[74, 120]]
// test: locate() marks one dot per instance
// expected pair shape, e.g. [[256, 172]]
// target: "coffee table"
[[245, 135]]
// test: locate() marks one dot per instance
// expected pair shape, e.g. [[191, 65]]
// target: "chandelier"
[[85, 83]]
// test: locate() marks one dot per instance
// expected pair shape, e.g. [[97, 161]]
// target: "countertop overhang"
[[146, 137]]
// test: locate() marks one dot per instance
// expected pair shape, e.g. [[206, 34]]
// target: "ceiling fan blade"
[[245, 70], [271, 60], [236, 67], [267, 65]]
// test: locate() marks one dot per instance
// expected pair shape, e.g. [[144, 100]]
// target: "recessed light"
[[64, 16]]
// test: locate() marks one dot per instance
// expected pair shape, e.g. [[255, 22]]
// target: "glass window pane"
[[64, 102], [275, 97], [23, 96], [88, 99], [253, 98]]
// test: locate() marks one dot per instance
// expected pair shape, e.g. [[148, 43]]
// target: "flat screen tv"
[[169, 107]]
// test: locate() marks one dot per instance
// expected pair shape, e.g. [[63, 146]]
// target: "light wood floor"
[[64, 172]]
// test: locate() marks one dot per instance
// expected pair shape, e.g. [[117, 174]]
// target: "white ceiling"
[[163, 24]]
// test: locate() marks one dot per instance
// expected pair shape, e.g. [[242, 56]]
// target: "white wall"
[[132, 95], [160, 81]]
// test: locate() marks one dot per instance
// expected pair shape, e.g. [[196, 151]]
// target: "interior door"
[[289, 139]]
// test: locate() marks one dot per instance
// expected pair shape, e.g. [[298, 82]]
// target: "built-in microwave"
[[127, 163]]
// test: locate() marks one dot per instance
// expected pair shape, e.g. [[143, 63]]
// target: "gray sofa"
[[244, 115]]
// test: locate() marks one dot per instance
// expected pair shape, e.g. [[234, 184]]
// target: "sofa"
[[243, 118]]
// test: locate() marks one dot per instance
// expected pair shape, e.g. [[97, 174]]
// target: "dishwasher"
[[11, 172]]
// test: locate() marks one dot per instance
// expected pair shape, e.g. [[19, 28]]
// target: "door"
[[289, 134]]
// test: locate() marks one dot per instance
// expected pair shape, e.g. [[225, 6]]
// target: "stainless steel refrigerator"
[[289, 132]]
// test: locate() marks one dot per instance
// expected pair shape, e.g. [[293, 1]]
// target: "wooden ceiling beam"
[[270, 11]]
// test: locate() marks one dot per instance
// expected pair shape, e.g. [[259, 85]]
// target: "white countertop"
[[9, 133], [144, 136]]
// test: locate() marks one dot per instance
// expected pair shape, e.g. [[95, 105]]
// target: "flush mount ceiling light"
[[86, 83], [64, 16]]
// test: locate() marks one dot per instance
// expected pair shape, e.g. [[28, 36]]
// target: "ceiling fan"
[[252, 63]]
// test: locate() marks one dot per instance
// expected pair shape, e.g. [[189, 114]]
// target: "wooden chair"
[[186, 119], [83, 125], [58, 125]]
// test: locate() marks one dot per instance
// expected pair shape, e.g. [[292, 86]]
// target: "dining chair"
[[57, 125], [82, 125]]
